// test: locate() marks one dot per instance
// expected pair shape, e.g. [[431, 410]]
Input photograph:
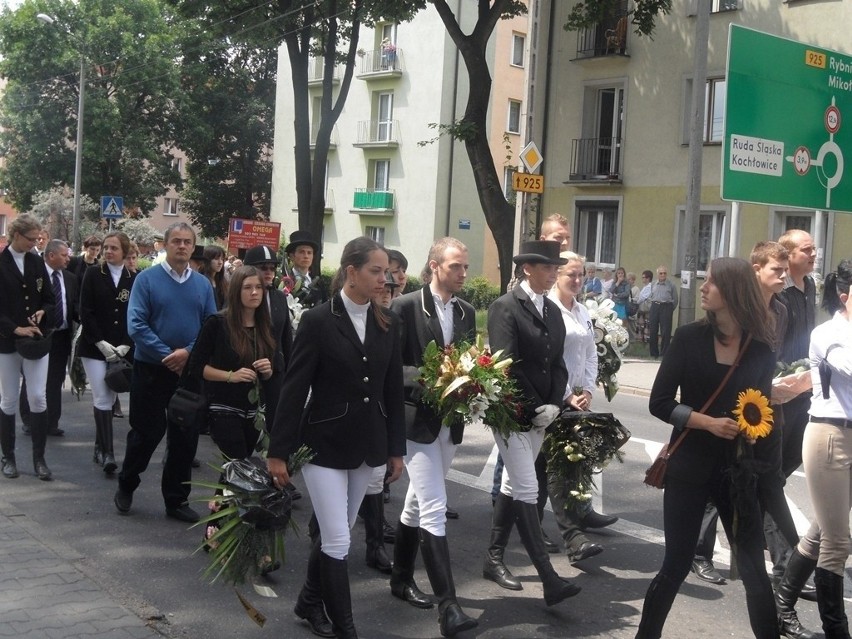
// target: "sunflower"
[[754, 416]]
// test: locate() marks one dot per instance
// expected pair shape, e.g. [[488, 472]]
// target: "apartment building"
[[613, 124], [380, 182]]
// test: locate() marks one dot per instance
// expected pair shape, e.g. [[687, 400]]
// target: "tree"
[[53, 208], [129, 53], [324, 29], [643, 16]]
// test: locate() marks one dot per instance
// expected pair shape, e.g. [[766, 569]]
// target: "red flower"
[[484, 360]]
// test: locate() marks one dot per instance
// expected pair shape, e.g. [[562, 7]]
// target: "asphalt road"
[[147, 561]]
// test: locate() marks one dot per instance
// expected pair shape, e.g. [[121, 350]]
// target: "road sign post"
[[784, 133]]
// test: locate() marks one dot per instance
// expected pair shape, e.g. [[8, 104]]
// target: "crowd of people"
[[343, 379]]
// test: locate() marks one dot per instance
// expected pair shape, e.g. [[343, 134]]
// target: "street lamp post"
[[78, 159]]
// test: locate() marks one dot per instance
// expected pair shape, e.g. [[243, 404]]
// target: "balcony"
[[373, 202], [315, 72], [606, 38], [596, 161], [381, 63], [333, 140], [377, 134]]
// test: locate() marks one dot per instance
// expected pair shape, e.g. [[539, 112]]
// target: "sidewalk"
[[636, 376], [44, 595]]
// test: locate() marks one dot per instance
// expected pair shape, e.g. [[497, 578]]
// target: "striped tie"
[[57, 293]]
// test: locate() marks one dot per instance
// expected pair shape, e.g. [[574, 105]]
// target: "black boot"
[[402, 574], [556, 589], [436, 556], [38, 427], [658, 602], [829, 587], [372, 511], [334, 577], [309, 604], [103, 426], [799, 569], [7, 445], [502, 520]]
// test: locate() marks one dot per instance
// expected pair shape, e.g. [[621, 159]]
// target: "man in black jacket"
[[433, 313]]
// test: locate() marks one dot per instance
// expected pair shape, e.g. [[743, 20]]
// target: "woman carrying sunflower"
[[715, 462], [827, 451]]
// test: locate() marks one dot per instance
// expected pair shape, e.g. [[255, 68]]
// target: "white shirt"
[[445, 315], [19, 259], [358, 315], [579, 351], [537, 300], [115, 271], [60, 301], [180, 278], [835, 332]]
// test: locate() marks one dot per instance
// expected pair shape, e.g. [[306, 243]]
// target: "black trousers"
[[660, 321], [234, 435], [683, 509], [57, 369], [150, 390]]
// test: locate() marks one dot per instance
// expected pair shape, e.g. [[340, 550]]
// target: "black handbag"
[[118, 376], [187, 409]]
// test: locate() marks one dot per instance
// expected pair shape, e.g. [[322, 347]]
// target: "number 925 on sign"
[[528, 182]]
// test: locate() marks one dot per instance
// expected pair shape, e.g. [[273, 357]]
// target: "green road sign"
[[784, 123]]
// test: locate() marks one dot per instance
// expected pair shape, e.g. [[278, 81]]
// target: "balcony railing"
[[608, 37], [333, 139], [381, 63], [596, 160], [377, 202], [315, 71], [377, 133]]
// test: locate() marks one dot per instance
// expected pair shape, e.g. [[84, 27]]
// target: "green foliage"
[[128, 49], [591, 12], [461, 130], [142, 263], [480, 292], [54, 208], [138, 230]]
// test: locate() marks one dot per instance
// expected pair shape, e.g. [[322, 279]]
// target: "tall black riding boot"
[[7, 445], [556, 589], [502, 520], [402, 574], [372, 511], [309, 604], [658, 602], [829, 587], [103, 426], [798, 571], [334, 577], [436, 556], [38, 428]]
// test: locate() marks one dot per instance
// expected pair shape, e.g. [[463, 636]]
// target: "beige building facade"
[[613, 123], [380, 181]]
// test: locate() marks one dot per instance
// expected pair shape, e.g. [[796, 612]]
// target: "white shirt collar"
[[536, 298], [180, 278]]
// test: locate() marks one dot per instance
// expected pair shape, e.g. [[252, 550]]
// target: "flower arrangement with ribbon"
[[611, 340], [466, 382], [579, 445]]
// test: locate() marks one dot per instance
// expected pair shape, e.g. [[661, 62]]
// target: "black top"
[[103, 310], [421, 325], [22, 295], [213, 347], [690, 365], [535, 343], [801, 318], [355, 410]]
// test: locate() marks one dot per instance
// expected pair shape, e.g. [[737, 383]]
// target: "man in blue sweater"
[[168, 304]]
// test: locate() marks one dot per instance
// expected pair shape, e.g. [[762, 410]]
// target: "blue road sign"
[[112, 207]]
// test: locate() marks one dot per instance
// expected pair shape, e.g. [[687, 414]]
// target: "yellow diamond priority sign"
[[531, 157]]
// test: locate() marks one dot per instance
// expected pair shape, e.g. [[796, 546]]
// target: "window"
[[713, 237], [376, 233], [171, 206], [381, 175], [714, 110], [513, 125], [177, 165], [387, 31], [508, 191], [724, 5], [597, 155], [384, 117], [597, 232], [2, 225], [518, 42]]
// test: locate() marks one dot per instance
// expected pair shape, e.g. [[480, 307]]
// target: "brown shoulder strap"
[[715, 394]]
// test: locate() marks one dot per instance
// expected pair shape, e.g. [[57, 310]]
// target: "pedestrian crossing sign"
[[112, 207]]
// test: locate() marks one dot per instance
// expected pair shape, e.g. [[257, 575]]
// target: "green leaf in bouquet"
[[254, 395]]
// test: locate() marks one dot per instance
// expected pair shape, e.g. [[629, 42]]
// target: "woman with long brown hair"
[[234, 349], [213, 269], [713, 462], [342, 397]]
